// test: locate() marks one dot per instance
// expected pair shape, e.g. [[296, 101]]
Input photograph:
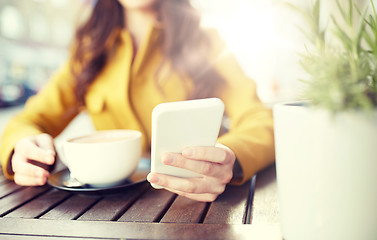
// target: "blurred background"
[[34, 39], [35, 35], [262, 34]]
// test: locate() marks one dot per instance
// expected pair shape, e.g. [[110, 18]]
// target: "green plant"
[[342, 74]]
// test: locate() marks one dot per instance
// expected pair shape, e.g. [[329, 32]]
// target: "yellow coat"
[[124, 94]]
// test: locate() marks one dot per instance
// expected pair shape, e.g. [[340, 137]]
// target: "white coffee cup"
[[102, 158]]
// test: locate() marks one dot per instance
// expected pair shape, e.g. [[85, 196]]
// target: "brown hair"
[[184, 44]]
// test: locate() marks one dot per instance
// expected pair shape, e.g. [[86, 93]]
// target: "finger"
[[25, 168], [46, 142], [204, 197], [212, 154], [29, 181], [30, 150], [187, 185], [205, 168]]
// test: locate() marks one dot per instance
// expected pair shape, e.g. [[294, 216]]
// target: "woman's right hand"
[[32, 158]]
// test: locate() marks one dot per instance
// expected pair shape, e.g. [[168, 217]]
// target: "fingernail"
[[167, 159], [40, 173], [51, 152], [49, 159], [43, 181], [153, 178], [187, 152]]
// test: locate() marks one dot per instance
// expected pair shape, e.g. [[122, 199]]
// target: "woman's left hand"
[[214, 163]]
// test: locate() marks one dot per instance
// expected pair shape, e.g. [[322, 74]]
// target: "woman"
[[128, 57]]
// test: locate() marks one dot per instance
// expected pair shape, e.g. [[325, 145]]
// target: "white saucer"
[[140, 175]]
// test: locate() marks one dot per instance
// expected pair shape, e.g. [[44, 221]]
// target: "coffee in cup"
[[103, 158]]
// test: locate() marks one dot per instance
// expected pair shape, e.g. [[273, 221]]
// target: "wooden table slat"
[[185, 210], [39, 237], [230, 207], [40, 205], [265, 208], [149, 207], [112, 207], [140, 212], [3, 179], [72, 208], [8, 187], [137, 230], [17, 199]]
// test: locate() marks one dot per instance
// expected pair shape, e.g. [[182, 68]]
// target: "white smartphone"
[[176, 125]]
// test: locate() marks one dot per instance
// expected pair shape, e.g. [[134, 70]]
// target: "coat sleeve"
[[250, 134], [49, 111]]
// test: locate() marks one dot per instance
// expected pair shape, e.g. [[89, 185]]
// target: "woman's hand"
[[31, 159], [214, 163]]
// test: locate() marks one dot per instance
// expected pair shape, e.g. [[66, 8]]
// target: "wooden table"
[[249, 211]]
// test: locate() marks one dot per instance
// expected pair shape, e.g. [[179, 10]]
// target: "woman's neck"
[[138, 22]]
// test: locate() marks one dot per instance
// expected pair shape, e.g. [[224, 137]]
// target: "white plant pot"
[[326, 173]]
